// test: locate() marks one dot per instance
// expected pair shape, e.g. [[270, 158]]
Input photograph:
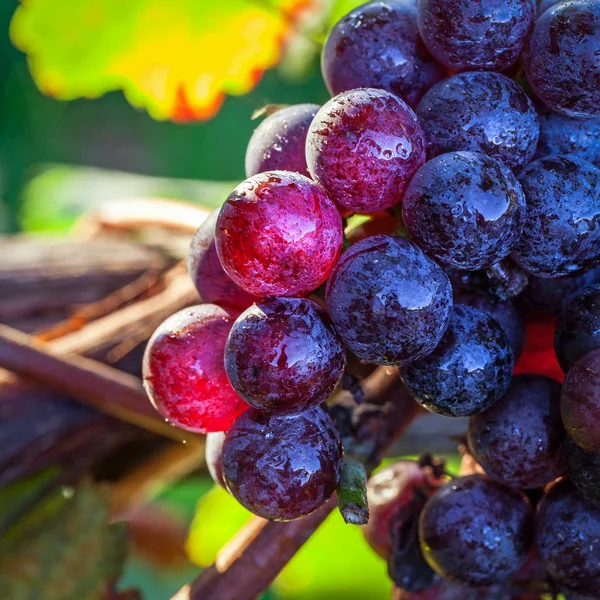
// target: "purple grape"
[[282, 468], [580, 401], [561, 61], [278, 143], [377, 45], [567, 529], [520, 440], [388, 301], [213, 452], [363, 147], [561, 233], [578, 327], [544, 5], [481, 112], [476, 531], [584, 471], [464, 209], [469, 35], [206, 271], [504, 312], [573, 136], [548, 296], [468, 371], [283, 356]]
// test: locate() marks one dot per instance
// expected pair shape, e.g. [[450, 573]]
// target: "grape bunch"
[[438, 217]]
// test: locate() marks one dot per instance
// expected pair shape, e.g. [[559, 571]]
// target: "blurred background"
[[106, 100]]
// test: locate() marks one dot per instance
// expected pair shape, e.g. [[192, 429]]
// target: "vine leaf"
[[63, 549], [175, 58]]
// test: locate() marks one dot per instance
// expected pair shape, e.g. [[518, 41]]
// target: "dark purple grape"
[[388, 301], [213, 451], [567, 530], [547, 297], [468, 371], [204, 267], [544, 5], [279, 142], [468, 35], [561, 232], [520, 440], [578, 327], [377, 45], [572, 136], [504, 312], [283, 356], [580, 401], [561, 61], [481, 112], [451, 591], [282, 468], [465, 209], [476, 531], [363, 147], [584, 471]]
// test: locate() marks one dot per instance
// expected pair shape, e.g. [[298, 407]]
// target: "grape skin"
[[363, 147], [282, 468], [520, 440], [452, 118], [561, 233], [283, 356], [184, 372], [578, 327], [469, 35], [580, 401], [278, 143], [584, 471], [278, 234], [468, 371], [560, 61], [464, 209], [567, 529], [212, 452], [204, 267], [476, 531], [377, 45], [389, 302]]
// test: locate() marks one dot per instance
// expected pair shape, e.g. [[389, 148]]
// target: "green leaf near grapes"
[[177, 59]]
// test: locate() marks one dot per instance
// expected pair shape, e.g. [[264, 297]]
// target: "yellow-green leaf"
[[175, 58]]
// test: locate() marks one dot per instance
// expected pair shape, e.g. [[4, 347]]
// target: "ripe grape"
[[278, 234], [184, 371], [584, 471], [283, 356], [282, 468], [377, 45], [204, 267], [451, 591], [363, 147], [561, 60], [578, 327], [476, 531], [468, 371], [560, 235], [388, 491], [278, 143], [388, 301], [465, 209], [469, 35], [213, 452], [573, 136], [520, 439], [544, 5], [482, 112], [567, 529], [504, 312], [580, 401]]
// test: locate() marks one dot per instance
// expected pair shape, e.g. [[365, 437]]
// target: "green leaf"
[[63, 549]]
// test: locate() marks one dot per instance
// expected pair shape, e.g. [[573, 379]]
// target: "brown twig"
[[111, 391], [252, 559]]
